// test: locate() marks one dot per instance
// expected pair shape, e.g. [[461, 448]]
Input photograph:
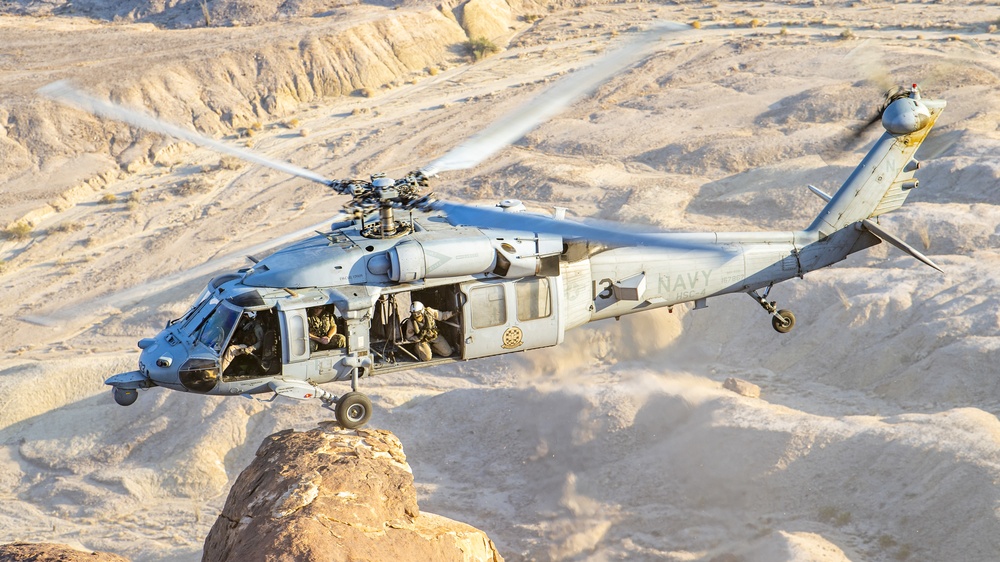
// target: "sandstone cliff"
[[331, 494], [47, 552], [218, 81]]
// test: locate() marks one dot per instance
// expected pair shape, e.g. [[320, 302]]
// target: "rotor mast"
[[386, 195]]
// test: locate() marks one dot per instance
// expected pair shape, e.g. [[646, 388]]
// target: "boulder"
[[48, 552], [742, 387], [332, 494]]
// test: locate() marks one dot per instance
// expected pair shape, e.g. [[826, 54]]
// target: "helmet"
[[417, 307]]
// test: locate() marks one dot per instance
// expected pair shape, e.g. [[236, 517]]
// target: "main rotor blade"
[[124, 299], [488, 217], [63, 92], [517, 123]]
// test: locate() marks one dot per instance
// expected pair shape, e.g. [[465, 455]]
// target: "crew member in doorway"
[[422, 329], [323, 330]]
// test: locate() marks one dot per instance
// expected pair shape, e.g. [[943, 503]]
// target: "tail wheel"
[[783, 321], [354, 409]]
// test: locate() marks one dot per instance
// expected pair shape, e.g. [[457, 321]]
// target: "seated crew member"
[[247, 339], [421, 328], [323, 330]]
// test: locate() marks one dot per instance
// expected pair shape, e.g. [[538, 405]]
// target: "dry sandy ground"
[[875, 437]]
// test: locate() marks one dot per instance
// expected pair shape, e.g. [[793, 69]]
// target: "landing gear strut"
[[781, 320]]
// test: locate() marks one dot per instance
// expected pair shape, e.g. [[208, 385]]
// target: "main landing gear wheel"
[[125, 396], [783, 321], [353, 410]]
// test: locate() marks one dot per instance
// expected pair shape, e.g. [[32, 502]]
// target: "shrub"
[[191, 187], [230, 163], [480, 48], [108, 199], [832, 515], [696, 24], [67, 227], [20, 230]]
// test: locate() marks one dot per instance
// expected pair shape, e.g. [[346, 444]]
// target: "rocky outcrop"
[[331, 494], [47, 552], [742, 387]]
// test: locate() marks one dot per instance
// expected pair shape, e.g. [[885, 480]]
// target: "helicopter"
[[506, 280]]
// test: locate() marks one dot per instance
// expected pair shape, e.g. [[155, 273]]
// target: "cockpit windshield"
[[216, 329], [194, 318], [192, 312]]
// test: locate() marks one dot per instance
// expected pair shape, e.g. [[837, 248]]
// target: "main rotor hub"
[[386, 226], [380, 181]]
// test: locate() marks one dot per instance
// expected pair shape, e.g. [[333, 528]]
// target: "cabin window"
[[489, 307], [533, 299]]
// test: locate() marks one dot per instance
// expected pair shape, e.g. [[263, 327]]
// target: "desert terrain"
[[875, 437]]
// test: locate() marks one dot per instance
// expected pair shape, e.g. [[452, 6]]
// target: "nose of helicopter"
[[161, 362]]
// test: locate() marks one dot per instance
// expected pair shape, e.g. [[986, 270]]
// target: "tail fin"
[[884, 178]]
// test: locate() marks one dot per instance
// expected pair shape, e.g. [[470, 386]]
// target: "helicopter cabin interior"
[[487, 317], [477, 318]]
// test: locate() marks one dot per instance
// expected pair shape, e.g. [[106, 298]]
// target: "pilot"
[[323, 330], [247, 339], [422, 329], [234, 350]]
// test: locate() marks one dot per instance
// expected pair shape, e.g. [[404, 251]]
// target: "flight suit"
[[324, 325], [425, 334]]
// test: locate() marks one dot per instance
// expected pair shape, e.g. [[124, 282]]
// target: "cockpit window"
[[217, 328], [194, 319], [194, 307]]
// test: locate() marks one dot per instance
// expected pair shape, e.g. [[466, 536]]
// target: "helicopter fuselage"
[[509, 291], [495, 289]]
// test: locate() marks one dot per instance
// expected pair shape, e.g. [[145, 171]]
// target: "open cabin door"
[[502, 316]]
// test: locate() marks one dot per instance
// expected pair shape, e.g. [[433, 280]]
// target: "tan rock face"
[[331, 494], [48, 552], [742, 387]]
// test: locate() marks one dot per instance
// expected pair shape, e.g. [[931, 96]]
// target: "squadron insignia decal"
[[512, 337]]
